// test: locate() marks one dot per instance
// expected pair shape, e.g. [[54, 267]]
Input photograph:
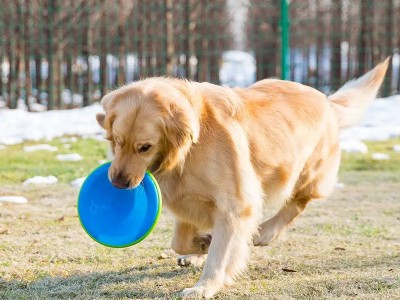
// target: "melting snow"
[[41, 180], [40, 147], [13, 199], [69, 157]]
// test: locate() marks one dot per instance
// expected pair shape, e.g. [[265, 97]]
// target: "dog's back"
[[293, 132]]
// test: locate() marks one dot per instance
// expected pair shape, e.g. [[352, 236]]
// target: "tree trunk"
[[365, 36], [387, 88], [49, 19], [187, 44], [336, 57], [320, 45], [170, 37], [19, 50], [11, 52], [38, 76], [272, 46], [87, 47], [121, 45], [59, 80], [88, 80], [203, 61], [28, 79], [103, 55]]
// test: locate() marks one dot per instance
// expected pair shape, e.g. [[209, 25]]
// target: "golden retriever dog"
[[219, 154]]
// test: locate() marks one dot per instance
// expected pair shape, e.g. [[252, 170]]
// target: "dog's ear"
[[100, 119], [181, 131], [105, 120]]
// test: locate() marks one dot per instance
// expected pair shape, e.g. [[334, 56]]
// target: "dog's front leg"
[[226, 235]]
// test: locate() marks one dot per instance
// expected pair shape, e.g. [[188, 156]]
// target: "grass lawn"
[[347, 247]]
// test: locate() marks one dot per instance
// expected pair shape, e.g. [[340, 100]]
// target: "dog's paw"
[[197, 292], [202, 242], [191, 259], [265, 238], [228, 281]]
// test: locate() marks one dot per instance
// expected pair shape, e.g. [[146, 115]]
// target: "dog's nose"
[[120, 181]]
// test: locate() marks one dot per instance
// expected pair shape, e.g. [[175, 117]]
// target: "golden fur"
[[219, 154]]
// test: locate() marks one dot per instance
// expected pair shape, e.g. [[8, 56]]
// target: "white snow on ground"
[[396, 148], [41, 180], [78, 182], [381, 122], [69, 157], [40, 147], [17, 125], [339, 185], [380, 156], [68, 139], [13, 199], [353, 145], [2, 147]]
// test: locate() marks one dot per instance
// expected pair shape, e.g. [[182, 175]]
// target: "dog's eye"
[[144, 148]]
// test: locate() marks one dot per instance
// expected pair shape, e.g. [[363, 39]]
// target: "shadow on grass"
[[129, 283]]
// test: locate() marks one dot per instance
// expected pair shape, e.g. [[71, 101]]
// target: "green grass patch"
[[364, 162], [16, 165]]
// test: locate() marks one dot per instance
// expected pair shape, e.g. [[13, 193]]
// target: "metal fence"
[[68, 53]]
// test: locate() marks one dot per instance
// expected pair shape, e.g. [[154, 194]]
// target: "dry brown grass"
[[347, 247]]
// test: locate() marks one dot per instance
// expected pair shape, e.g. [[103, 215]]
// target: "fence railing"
[[68, 53]]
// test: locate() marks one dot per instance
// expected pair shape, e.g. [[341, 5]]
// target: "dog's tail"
[[352, 99]]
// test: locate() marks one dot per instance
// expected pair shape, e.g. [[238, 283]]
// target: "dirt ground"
[[347, 247]]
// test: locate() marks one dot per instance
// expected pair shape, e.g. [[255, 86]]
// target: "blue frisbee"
[[114, 217]]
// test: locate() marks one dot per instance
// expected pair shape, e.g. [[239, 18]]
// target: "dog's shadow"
[[130, 283]]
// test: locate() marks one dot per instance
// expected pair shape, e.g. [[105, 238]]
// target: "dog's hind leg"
[[274, 227], [316, 182]]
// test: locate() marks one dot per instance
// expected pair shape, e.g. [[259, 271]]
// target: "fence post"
[[285, 51]]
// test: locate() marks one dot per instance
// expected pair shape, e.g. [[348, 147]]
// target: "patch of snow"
[[17, 125], [14, 199], [2, 147], [40, 147], [69, 157], [339, 185], [71, 139], [396, 148], [380, 156], [78, 182], [37, 107], [97, 137], [11, 140], [353, 146], [238, 69], [22, 105], [380, 122], [41, 180]]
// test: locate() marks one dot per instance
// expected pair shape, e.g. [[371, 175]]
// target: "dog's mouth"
[[124, 183]]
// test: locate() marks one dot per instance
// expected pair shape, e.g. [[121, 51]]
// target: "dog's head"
[[150, 125]]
